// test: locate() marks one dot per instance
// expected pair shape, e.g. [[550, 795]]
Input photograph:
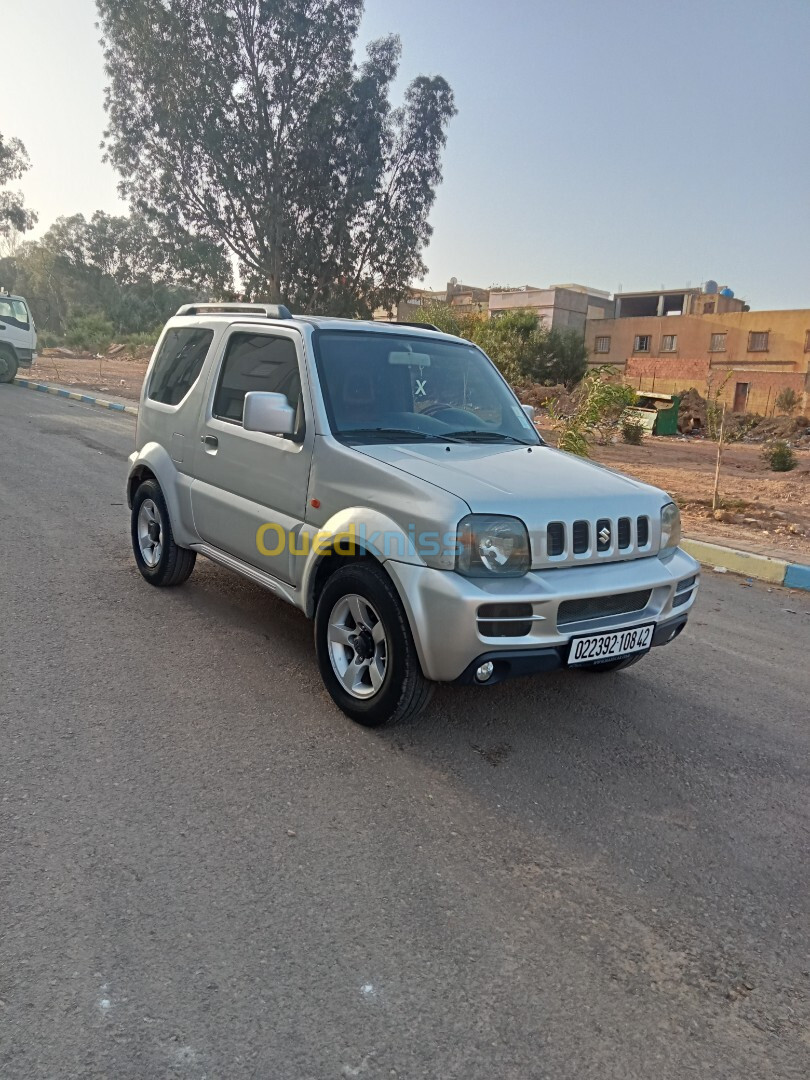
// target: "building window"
[[669, 343], [758, 341], [708, 307], [641, 343], [718, 343], [602, 344], [807, 341]]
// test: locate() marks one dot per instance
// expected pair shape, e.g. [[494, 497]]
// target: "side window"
[[257, 362], [179, 363]]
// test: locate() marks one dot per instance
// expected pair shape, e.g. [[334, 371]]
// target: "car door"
[[244, 480]]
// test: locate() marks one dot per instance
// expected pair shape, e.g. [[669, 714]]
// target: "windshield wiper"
[[483, 435], [428, 436]]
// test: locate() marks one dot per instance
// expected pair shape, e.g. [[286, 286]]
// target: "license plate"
[[596, 647]]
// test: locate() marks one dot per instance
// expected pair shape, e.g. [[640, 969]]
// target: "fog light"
[[485, 672]]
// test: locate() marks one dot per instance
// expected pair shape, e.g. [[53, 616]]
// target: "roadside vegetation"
[[528, 354], [779, 456]]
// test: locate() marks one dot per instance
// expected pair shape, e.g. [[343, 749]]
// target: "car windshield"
[[403, 387], [14, 311]]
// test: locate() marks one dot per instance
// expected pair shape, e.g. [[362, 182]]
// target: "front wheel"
[[365, 649], [159, 559], [8, 365]]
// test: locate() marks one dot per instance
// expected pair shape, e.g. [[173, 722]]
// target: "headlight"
[[488, 544], [670, 529]]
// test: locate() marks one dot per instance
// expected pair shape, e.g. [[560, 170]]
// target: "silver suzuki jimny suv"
[[384, 479]]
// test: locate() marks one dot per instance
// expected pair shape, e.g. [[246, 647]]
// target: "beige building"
[[709, 299], [753, 354], [558, 306]]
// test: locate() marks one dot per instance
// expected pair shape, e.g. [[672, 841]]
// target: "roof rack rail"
[[270, 311], [418, 325]]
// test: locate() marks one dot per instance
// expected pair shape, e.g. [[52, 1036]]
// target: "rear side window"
[[256, 362], [179, 363]]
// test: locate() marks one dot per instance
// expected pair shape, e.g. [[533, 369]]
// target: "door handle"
[[211, 442]]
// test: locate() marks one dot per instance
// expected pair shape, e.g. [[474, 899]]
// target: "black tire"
[[173, 564], [613, 665], [8, 365], [404, 691]]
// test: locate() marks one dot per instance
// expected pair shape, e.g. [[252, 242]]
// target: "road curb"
[[72, 395], [761, 567]]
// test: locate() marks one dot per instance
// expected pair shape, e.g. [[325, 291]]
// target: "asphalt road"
[[206, 871]]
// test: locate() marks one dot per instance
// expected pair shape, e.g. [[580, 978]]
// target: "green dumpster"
[[657, 412]]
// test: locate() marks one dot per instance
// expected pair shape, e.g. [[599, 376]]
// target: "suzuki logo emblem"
[[604, 536]]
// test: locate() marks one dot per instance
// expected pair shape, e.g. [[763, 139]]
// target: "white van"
[[18, 336]]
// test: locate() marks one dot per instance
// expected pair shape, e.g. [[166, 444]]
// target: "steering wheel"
[[448, 414]]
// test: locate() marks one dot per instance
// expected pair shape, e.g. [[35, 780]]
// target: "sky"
[[616, 143]]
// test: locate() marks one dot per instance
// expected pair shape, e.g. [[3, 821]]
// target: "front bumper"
[[443, 610], [506, 665]]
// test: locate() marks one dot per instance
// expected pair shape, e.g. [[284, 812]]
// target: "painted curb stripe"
[[87, 399], [798, 577], [748, 563]]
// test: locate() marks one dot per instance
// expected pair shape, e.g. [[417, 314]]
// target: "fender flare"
[[155, 459], [359, 530]]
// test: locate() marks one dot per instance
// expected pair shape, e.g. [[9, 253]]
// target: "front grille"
[[580, 536], [589, 540], [556, 538], [681, 599], [686, 584], [505, 620], [595, 607]]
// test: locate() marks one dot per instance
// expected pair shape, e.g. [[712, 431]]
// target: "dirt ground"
[[765, 511], [121, 377]]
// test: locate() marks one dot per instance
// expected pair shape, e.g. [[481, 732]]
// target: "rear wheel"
[[366, 654], [159, 559], [8, 365]]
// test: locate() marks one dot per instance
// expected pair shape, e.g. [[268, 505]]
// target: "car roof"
[[319, 322]]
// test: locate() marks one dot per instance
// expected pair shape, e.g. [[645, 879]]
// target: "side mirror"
[[529, 410], [269, 413]]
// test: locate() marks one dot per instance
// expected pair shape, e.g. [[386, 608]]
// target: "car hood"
[[539, 486], [490, 477]]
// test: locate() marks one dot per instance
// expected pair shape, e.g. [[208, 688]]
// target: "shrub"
[[93, 333], [145, 340], [574, 438], [632, 430], [787, 401], [604, 400], [46, 339], [779, 456], [592, 411]]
